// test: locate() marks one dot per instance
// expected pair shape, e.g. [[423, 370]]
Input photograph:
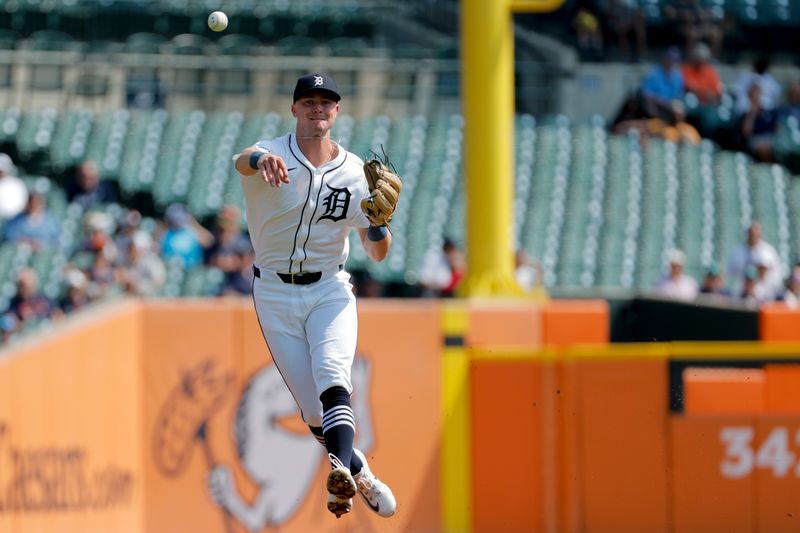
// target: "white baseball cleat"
[[341, 487], [375, 492]]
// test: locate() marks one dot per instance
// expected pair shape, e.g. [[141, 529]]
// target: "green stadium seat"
[[202, 281], [348, 47], [145, 43], [9, 39], [236, 78], [297, 45]]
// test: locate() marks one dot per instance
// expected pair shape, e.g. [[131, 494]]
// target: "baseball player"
[[302, 197]]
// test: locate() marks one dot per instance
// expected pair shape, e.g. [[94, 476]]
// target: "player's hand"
[[273, 170]]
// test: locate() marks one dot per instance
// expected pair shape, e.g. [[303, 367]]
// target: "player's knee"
[[314, 420], [317, 432]]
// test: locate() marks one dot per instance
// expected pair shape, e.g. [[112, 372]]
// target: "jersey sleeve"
[[265, 145], [278, 146]]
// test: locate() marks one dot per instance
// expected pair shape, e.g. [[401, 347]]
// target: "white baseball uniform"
[[301, 229]]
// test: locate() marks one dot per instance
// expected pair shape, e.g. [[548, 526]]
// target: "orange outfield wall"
[[70, 444], [254, 429], [517, 396], [118, 420], [779, 323]]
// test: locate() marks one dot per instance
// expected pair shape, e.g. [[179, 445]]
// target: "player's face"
[[316, 113]]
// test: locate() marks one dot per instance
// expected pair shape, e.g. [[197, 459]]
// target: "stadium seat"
[[201, 281], [9, 39], [189, 80], [348, 47], [236, 78], [144, 43], [70, 138], [297, 45]]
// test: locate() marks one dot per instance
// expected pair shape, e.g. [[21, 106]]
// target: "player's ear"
[[294, 111]]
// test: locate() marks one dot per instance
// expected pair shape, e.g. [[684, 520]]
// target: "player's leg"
[[331, 328], [284, 334]]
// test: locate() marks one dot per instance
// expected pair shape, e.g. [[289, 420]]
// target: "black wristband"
[[254, 157], [377, 233]]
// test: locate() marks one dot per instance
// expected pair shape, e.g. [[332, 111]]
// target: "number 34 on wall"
[[774, 453]]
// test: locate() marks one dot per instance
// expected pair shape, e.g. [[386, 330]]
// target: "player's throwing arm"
[[271, 167]]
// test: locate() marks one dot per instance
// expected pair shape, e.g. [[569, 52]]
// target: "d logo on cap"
[[316, 81]]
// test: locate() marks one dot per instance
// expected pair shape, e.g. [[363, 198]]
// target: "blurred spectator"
[[632, 115], [663, 85], [184, 238], [675, 283], [744, 255], [76, 296], [130, 228], [13, 192], [9, 325], [627, 21], [35, 225], [230, 251], [764, 288], [87, 189], [713, 283], [700, 76], [758, 127], [588, 34], [228, 237], [29, 304], [770, 95], [365, 284], [442, 270], [143, 273], [791, 106], [99, 227], [791, 294], [747, 292], [240, 282], [104, 276], [695, 23], [527, 272], [676, 130]]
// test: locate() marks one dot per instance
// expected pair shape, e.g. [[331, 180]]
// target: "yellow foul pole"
[[487, 88]]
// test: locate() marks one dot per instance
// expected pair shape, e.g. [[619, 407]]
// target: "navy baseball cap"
[[316, 82]]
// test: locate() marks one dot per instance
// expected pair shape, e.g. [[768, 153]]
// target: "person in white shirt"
[[745, 255], [764, 289], [770, 88], [675, 283], [13, 192]]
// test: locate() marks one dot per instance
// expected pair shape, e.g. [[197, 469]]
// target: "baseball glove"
[[384, 191]]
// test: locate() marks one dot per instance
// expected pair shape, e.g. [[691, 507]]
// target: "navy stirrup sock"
[[338, 423], [355, 462]]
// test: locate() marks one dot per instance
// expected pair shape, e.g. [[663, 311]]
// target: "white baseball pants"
[[311, 331]]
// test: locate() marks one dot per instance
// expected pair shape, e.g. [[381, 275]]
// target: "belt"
[[300, 278]]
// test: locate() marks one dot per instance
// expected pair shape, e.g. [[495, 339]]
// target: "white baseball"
[[218, 21]]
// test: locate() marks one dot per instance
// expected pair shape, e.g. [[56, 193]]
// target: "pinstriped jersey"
[[303, 226]]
